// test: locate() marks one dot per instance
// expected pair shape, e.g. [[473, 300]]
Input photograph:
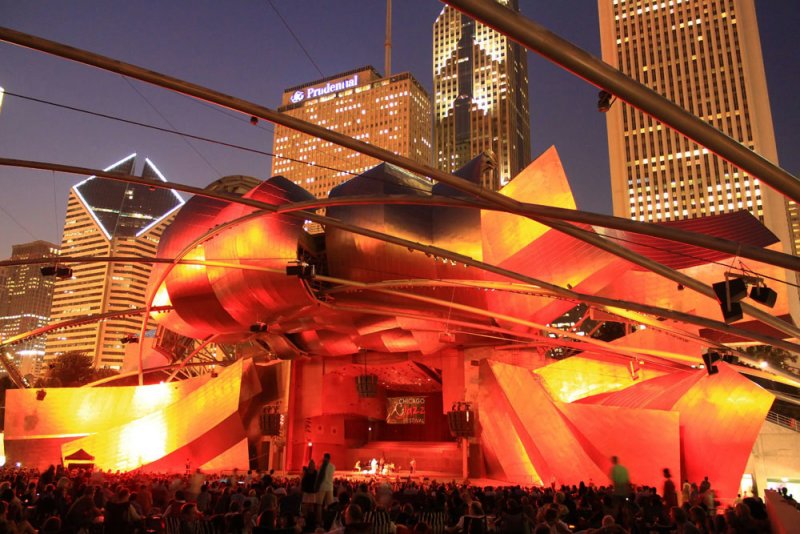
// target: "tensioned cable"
[[175, 132], [8, 214], [213, 141], [55, 205], [296, 39], [165, 119]]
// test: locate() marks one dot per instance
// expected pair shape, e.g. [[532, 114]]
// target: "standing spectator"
[[670, 495], [686, 492], [145, 499], [324, 484], [620, 478], [188, 519], [308, 486]]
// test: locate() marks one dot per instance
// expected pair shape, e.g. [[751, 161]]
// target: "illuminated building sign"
[[405, 410], [325, 89]]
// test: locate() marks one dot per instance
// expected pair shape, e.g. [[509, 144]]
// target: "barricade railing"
[[786, 422]]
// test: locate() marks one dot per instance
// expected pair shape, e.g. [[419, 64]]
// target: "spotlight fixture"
[[447, 337], [259, 327], [40, 395], [130, 338], [604, 101], [708, 359], [301, 270], [59, 271], [253, 120]]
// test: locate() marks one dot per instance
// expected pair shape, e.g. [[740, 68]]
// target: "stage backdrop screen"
[[405, 410]]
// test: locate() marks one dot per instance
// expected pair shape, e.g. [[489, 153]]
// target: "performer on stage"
[[412, 465]]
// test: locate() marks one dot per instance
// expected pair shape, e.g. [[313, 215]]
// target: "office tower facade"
[[25, 303], [706, 57], [392, 113], [108, 218], [480, 83]]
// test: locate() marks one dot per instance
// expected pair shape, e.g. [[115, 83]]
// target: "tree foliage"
[[776, 358], [71, 369]]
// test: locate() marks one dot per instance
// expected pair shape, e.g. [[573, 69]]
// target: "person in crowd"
[[324, 484], [620, 479], [513, 520], [188, 518], [307, 485], [473, 522], [353, 522], [551, 522], [669, 494], [82, 513], [681, 521]]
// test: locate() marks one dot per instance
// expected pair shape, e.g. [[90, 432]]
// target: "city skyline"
[[480, 84], [249, 53]]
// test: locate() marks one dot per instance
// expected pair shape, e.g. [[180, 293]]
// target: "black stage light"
[[301, 270], [40, 395], [259, 327], [604, 101], [59, 271], [764, 295], [708, 359]]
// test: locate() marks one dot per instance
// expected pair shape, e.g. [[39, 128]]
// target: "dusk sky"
[[244, 49]]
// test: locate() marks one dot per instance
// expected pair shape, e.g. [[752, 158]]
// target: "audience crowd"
[[94, 502]]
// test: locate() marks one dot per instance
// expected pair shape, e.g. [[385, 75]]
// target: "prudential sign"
[[321, 90]]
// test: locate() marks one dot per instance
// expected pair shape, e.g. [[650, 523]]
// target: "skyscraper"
[[25, 302], [480, 83], [392, 113], [706, 57], [108, 218]]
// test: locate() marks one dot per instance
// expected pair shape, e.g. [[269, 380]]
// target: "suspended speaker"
[[764, 295], [733, 313], [270, 424], [735, 287], [461, 423], [367, 385]]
